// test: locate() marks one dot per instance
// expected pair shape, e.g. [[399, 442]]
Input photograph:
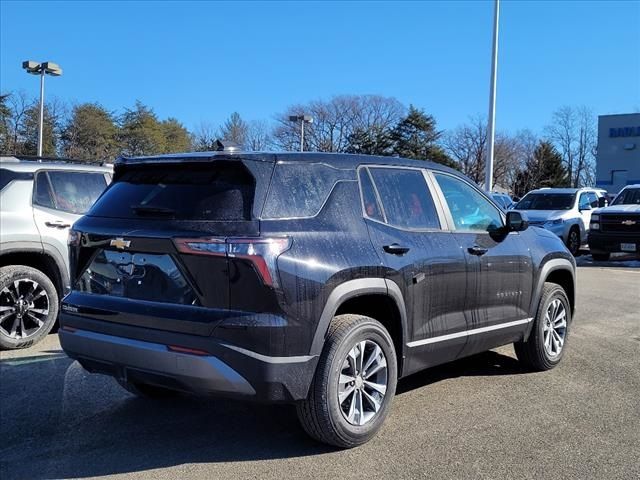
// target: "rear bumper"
[[221, 369], [610, 242]]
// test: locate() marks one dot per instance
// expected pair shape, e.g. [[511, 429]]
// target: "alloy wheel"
[[554, 327], [24, 308], [362, 384]]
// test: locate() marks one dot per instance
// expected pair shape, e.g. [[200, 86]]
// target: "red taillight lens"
[[261, 252], [201, 246]]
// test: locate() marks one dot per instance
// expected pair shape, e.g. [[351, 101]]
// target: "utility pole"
[[491, 128]]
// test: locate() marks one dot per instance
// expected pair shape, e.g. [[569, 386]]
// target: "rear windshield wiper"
[[148, 210]]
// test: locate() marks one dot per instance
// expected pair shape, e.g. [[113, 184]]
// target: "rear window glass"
[[298, 190], [405, 197], [219, 191], [369, 200]]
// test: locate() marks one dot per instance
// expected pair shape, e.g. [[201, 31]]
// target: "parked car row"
[[581, 217]]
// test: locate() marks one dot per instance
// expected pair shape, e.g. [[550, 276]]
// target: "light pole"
[[491, 128], [302, 119], [42, 69]]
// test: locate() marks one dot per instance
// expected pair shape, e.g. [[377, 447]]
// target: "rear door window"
[[222, 191], [405, 198], [42, 195]]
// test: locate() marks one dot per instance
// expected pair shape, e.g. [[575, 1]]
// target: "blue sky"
[[200, 61]]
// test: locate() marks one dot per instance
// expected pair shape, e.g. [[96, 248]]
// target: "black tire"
[[321, 414], [533, 352], [145, 390], [22, 321], [573, 241], [601, 257]]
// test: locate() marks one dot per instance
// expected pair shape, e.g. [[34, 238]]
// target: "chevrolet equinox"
[[308, 278]]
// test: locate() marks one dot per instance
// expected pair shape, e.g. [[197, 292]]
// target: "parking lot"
[[481, 417]]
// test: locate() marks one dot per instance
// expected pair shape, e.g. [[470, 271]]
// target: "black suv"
[[315, 279]]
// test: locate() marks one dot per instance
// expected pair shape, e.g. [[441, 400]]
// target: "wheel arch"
[[560, 271], [39, 260], [377, 298]]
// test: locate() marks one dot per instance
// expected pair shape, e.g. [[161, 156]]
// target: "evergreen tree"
[[28, 132], [235, 130], [140, 132], [90, 133], [177, 138], [544, 169], [370, 142], [415, 136]]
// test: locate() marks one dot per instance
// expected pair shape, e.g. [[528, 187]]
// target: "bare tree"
[[467, 146], [573, 132], [335, 121], [204, 137], [258, 138]]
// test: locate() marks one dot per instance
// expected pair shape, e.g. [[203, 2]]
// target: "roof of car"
[[26, 164], [344, 160], [635, 185], [563, 190]]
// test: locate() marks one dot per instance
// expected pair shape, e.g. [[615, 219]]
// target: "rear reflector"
[[261, 252], [191, 351]]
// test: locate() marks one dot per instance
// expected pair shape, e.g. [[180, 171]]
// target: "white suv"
[[563, 211], [39, 201]]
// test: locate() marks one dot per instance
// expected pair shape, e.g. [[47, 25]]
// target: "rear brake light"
[[261, 252]]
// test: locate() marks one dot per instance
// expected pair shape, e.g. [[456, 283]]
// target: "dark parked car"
[[616, 228], [314, 279]]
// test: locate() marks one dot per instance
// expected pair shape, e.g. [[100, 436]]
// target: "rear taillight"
[[261, 252]]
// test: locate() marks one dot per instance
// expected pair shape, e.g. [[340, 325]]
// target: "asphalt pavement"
[[481, 417]]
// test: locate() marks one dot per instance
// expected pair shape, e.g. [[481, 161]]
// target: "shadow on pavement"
[[57, 421]]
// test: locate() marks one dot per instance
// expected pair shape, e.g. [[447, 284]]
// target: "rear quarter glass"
[[300, 189]]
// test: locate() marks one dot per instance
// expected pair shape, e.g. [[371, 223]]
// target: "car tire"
[[28, 306], [544, 349], [573, 241], [601, 257], [354, 345], [144, 390]]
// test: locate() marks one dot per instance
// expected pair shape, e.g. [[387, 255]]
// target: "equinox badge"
[[120, 243]]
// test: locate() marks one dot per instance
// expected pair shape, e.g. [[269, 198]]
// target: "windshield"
[[629, 196], [546, 201]]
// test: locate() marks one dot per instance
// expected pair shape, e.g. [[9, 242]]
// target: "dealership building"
[[618, 157]]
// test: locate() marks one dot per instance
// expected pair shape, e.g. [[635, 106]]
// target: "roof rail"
[[35, 158]]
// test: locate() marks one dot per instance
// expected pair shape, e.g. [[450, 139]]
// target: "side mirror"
[[602, 202], [517, 221]]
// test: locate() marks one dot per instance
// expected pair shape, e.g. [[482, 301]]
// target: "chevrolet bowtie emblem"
[[120, 243], [628, 223]]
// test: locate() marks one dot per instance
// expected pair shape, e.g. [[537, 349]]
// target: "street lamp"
[[302, 119], [42, 69]]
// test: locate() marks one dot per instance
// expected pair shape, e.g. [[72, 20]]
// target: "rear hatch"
[[154, 249]]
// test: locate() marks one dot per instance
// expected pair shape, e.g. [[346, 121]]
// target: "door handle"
[[396, 249], [477, 250], [57, 224]]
